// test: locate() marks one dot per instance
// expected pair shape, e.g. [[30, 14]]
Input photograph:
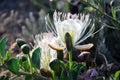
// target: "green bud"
[[55, 66], [25, 48], [23, 58], [68, 41], [60, 54], [20, 42]]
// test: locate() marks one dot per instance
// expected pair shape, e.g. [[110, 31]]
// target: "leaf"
[[13, 65], [100, 78], [63, 75], [36, 58], [4, 78], [28, 77], [26, 65], [114, 11], [117, 75], [20, 42], [22, 59], [75, 66], [75, 70], [55, 66], [92, 2], [8, 55], [66, 75], [2, 47], [64, 65], [102, 5]]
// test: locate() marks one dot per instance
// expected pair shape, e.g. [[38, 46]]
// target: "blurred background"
[[25, 18]]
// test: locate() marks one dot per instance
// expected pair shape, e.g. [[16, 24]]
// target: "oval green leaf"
[[36, 58], [13, 65]]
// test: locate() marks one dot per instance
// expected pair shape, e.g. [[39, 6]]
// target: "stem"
[[70, 59], [14, 77], [34, 75], [54, 76], [30, 63]]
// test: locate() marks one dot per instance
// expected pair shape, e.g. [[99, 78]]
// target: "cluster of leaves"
[[62, 68], [24, 65]]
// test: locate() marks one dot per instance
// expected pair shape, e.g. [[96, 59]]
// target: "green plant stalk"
[[30, 63], [34, 75], [14, 77], [70, 59], [54, 76]]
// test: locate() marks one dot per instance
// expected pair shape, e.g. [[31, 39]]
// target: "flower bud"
[[20, 42], [68, 41], [25, 48], [83, 56], [23, 58], [55, 66]]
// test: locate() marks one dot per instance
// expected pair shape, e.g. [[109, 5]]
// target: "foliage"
[[29, 66], [117, 75], [18, 65], [86, 66]]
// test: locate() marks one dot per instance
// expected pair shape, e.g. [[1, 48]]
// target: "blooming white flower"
[[76, 25], [47, 54]]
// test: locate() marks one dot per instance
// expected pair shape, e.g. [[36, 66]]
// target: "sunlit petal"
[[47, 54], [80, 26]]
